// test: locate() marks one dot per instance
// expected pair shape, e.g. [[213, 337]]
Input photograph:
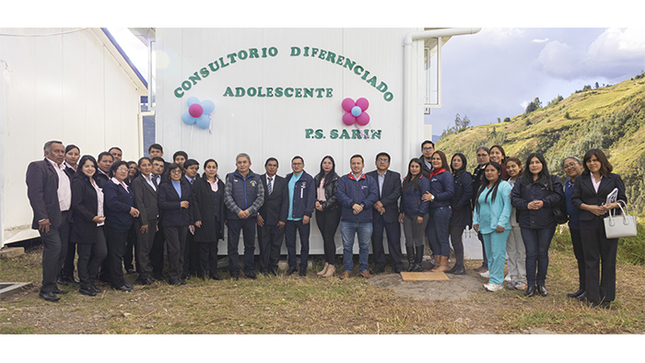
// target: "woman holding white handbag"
[[590, 193]]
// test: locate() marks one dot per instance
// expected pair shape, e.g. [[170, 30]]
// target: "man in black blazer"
[[272, 217], [104, 162], [385, 215], [50, 195]]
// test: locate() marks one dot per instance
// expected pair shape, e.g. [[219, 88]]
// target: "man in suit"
[[272, 218], [50, 195], [385, 215], [116, 153], [157, 251], [191, 257], [104, 161]]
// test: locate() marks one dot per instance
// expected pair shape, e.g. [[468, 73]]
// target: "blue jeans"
[[347, 231], [439, 230], [290, 241], [537, 242]]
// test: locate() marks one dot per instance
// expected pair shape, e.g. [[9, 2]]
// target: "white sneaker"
[[484, 274], [493, 287], [507, 278], [520, 286]]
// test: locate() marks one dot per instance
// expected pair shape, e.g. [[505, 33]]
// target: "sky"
[[498, 71]]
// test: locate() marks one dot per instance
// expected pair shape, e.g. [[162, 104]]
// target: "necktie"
[[270, 186]]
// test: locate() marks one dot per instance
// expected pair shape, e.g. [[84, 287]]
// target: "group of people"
[[102, 209]]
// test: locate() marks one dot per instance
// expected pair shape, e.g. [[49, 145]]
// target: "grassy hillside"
[[610, 118]]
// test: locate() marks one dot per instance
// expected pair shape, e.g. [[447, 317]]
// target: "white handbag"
[[620, 226]]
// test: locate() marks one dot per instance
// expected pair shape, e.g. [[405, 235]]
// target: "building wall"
[[277, 126], [64, 87]]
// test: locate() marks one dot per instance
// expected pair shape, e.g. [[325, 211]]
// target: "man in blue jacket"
[[357, 193], [302, 198], [243, 197]]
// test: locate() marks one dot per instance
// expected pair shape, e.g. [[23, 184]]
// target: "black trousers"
[[191, 256], [90, 258], [270, 239], [247, 227], [130, 251], [207, 252], [576, 241], [176, 243], [456, 231], [68, 265], [116, 240], [328, 222], [157, 254], [145, 242], [393, 231], [598, 250], [54, 252]]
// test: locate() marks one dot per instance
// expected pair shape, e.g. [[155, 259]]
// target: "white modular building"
[[286, 92], [72, 85]]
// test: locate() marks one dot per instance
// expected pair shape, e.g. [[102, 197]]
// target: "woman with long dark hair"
[[483, 158], [174, 199], [461, 211], [72, 154], [492, 219], [589, 195], [498, 155], [119, 215], [414, 213], [327, 211], [87, 230], [534, 195], [208, 211], [515, 249], [442, 189]]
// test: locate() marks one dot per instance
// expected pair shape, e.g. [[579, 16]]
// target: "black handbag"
[[559, 210]]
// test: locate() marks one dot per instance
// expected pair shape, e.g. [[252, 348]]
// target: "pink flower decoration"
[[355, 111]]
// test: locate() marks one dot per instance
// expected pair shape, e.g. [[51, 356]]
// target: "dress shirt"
[[292, 186], [99, 202], [381, 180], [270, 184], [213, 185], [149, 181], [320, 191], [596, 184], [64, 187], [177, 186], [191, 180]]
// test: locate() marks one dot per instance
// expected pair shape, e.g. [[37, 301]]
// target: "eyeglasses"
[[570, 165], [427, 148], [384, 160], [176, 171], [296, 164], [481, 155], [122, 169]]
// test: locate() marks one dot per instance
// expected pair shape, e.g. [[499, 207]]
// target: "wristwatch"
[[431, 198]]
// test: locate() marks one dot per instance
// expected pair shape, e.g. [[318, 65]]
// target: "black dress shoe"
[[377, 270], [123, 288], [303, 272], [291, 270], [265, 273], [131, 271], [158, 277], [582, 297], [541, 290], [144, 281], [575, 294], [592, 304], [606, 305], [179, 282], [215, 276], [71, 279], [530, 291], [61, 281], [88, 291], [95, 289], [48, 296], [235, 276], [250, 275], [58, 291]]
